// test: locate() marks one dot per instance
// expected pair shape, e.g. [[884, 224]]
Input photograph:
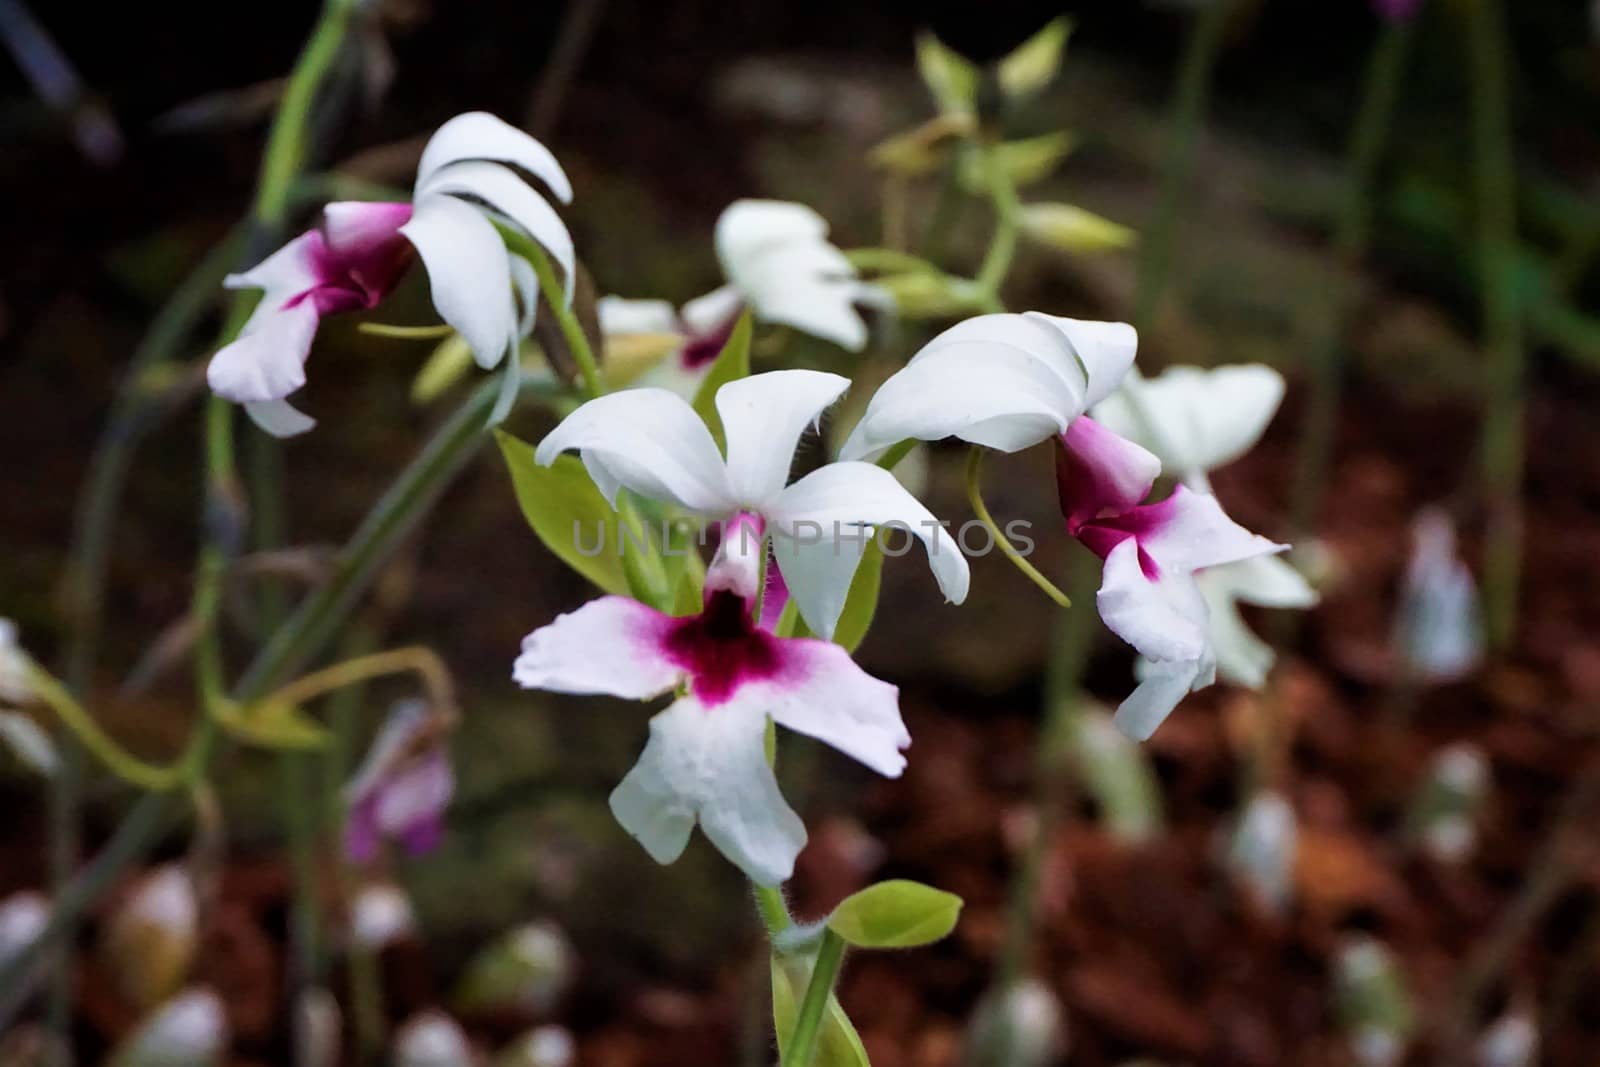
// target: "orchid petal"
[[1105, 349], [279, 417], [293, 269], [611, 645], [525, 283], [267, 361], [1163, 617], [1266, 581], [1161, 687], [620, 315], [1242, 657], [709, 313], [1189, 530], [364, 242], [1099, 473], [508, 194], [822, 693], [763, 417], [736, 567], [711, 765], [818, 567], [776, 254], [470, 273], [480, 135], [839, 499], [1196, 420]]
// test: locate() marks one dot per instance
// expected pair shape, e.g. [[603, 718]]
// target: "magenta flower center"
[[721, 649]]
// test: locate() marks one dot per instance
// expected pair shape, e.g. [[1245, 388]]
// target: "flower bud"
[[929, 295], [190, 1030], [1074, 230], [1022, 1026], [525, 971], [1116, 773], [1262, 853], [1438, 630], [150, 940], [545, 1046], [1512, 1041], [1373, 1005], [1444, 813], [380, 915], [403, 786], [23, 917], [432, 1039], [316, 1029]]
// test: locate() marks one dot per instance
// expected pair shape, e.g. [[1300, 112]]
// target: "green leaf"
[[861, 603], [895, 914], [732, 363], [562, 504], [951, 78], [1026, 161], [1036, 61], [446, 366], [274, 725], [1072, 229], [838, 1045]]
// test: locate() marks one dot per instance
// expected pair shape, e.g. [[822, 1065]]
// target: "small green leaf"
[[925, 295], [732, 363], [1072, 229], [895, 914], [445, 366], [274, 725], [1026, 161], [1036, 61], [861, 603], [563, 506], [838, 1045], [951, 78]]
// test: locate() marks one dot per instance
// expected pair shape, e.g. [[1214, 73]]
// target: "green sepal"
[[731, 364], [838, 1045]]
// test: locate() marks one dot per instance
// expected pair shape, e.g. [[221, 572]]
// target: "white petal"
[[1148, 706], [818, 569], [998, 397], [469, 271], [526, 285], [839, 499], [823, 694], [748, 228], [279, 418], [709, 313], [1189, 530], [268, 360], [1242, 657], [1165, 619], [480, 135], [1106, 350], [292, 269], [777, 256], [650, 441], [711, 764], [508, 194], [1267, 581], [611, 645], [763, 417], [619, 315], [1196, 420]]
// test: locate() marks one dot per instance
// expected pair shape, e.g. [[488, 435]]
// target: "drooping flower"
[[652, 442], [780, 264], [1002, 381], [402, 788], [1439, 629], [1148, 594], [706, 757], [359, 252], [1196, 420]]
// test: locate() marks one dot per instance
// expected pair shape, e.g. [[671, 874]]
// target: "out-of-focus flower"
[[1002, 381], [1373, 1005], [526, 970], [1261, 854], [380, 914], [1148, 594], [1195, 421], [1438, 633], [652, 442], [1511, 1041], [1397, 10], [706, 759], [1444, 813], [29, 743], [545, 1046], [15, 667], [432, 1039], [190, 1030], [361, 250], [1117, 775], [23, 917], [678, 346], [402, 788], [317, 1024], [151, 939], [1019, 1026]]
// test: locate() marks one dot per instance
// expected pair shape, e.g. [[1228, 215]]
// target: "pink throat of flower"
[[705, 347], [722, 649]]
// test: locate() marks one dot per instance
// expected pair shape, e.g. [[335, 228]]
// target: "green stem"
[[774, 912], [1018, 560], [1502, 443], [802, 1048], [1368, 136], [1003, 245], [571, 329], [1188, 109]]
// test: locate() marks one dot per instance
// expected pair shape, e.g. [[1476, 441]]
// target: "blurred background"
[[663, 114]]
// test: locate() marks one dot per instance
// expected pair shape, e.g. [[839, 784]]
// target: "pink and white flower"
[[402, 788], [1196, 420], [1002, 381], [652, 442], [1148, 594], [360, 251], [780, 264], [706, 757]]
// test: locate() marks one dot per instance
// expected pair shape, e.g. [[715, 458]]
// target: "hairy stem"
[[802, 1049]]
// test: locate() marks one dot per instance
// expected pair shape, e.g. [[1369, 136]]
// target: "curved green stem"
[[1003, 246], [981, 510], [802, 1048], [571, 329]]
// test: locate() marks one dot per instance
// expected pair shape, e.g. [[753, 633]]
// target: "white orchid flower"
[[1196, 420], [402, 788], [361, 250], [1148, 595], [1002, 381], [652, 442], [706, 757], [780, 264]]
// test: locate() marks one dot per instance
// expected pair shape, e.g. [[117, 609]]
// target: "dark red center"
[[721, 649]]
